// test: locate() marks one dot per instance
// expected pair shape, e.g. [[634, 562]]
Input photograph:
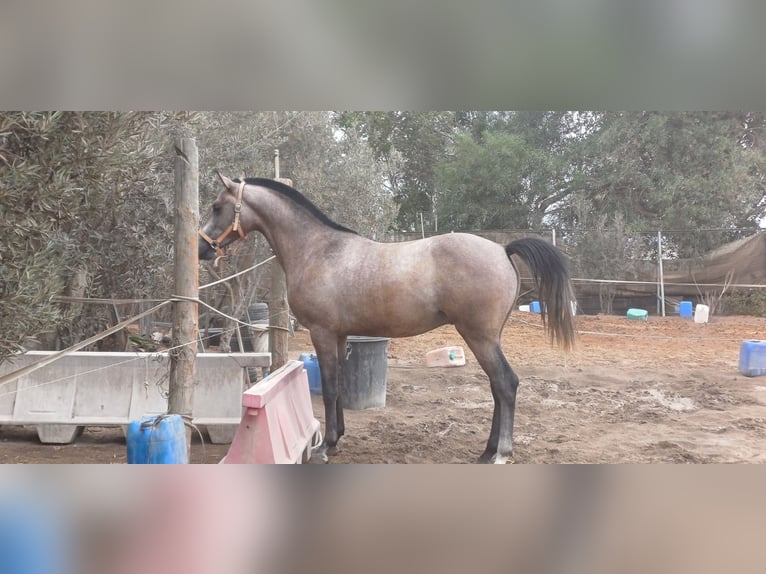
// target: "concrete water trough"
[[112, 389]]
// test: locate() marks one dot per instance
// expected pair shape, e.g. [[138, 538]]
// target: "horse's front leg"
[[326, 345]]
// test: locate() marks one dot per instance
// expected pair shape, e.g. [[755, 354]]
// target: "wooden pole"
[[276, 164], [278, 317], [279, 311], [662, 275], [185, 319], [658, 286]]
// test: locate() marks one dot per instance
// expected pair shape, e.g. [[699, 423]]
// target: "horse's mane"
[[297, 197]]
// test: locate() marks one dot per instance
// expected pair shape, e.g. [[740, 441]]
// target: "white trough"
[[112, 389]]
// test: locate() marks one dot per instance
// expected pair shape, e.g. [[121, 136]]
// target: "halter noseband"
[[234, 226]]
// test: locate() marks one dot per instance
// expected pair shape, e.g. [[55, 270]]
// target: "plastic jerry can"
[[752, 358], [157, 439], [446, 357], [701, 314], [685, 309]]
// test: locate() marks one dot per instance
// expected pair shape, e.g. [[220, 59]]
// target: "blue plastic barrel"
[[311, 364], [685, 309], [752, 358], [157, 439], [534, 306], [33, 535]]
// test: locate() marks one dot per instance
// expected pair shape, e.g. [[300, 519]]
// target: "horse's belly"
[[395, 329], [394, 319]]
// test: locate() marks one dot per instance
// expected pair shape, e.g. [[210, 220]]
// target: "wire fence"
[[159, 304]]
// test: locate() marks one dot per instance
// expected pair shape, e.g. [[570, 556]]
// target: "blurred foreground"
[[343, 519]]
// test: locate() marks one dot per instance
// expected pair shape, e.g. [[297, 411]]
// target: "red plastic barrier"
[[278, 426]]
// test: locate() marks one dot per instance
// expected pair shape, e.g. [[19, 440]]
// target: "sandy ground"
[[666, 390]]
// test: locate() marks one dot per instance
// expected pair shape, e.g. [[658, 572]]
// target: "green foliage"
[[338, 172], [672, 171], [81, 193], [745, 302], [411, 144], [505, 171], [483, 185], [26, 291]]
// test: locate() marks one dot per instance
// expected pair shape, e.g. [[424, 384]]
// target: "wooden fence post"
[[660, 272], [279, 311], [185, 318]]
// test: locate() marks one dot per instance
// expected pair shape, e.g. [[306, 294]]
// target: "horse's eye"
[[216, 208]]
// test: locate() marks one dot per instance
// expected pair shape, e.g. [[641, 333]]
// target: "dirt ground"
[[662, 391]]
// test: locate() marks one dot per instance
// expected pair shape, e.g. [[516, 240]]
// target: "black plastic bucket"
[[364, 385]]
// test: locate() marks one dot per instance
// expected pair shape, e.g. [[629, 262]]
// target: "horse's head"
[[225, 223]]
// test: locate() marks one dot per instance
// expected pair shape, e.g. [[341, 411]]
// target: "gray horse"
[[341, 284]]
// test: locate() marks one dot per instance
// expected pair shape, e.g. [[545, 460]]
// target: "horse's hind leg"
[[504, 383], [494, 434]]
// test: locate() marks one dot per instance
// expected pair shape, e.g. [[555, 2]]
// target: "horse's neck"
[[292, 233]]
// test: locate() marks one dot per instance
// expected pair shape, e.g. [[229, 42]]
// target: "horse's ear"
[[225, 180]]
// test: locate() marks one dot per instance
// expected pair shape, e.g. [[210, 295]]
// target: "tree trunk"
[[185, 312]]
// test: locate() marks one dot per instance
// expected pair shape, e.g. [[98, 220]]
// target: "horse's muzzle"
[[206, 251]]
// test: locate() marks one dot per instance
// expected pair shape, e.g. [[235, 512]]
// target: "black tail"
[[551, 274]]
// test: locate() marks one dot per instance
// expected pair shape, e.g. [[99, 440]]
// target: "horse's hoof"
[[485, 459], [503, 459], [319, 456], [333, 450]]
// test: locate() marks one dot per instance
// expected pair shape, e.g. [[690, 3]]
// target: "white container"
[[446, 357], [524, 308], [701, 314]]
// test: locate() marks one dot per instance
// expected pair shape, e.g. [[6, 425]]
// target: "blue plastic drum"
[[311, 364], [752, 358], [157, 439]]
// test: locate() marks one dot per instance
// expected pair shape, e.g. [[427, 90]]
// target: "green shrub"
[[745, 302]]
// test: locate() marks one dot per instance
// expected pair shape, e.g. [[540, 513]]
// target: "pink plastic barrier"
[[278, 426]]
